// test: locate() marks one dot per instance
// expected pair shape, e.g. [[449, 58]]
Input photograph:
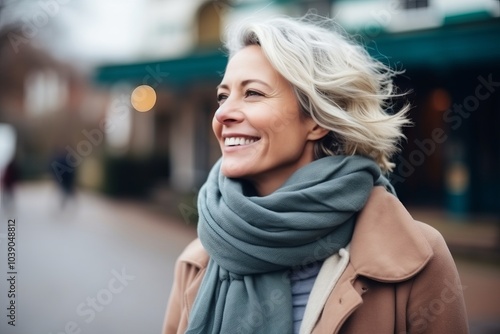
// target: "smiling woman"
[[251, 148], [299, 229]]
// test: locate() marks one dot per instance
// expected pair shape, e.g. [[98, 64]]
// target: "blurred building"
[[46, 100], [450, 53], [449, 50]]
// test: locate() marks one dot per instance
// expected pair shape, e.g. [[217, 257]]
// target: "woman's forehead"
[[251, 65]]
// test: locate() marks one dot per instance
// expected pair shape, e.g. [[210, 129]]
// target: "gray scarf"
[[253, 241]]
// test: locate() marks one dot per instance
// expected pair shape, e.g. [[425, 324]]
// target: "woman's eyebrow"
[[249, 81], [245, 83]]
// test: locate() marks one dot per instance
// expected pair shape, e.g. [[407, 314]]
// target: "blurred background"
[[105, 139]]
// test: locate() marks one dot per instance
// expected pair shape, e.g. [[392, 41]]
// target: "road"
[[99, 266]]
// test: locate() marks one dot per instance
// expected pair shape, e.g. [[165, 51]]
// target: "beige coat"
[[400, 279]]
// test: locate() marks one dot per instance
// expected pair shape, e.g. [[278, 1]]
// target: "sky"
[[89, 31]]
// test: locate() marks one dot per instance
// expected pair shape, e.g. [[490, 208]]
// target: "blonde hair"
[[336, 82]]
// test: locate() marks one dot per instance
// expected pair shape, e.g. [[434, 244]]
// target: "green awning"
[[449, 45], [195, 67]]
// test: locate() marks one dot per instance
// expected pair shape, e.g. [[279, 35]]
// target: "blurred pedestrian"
[[10, 176], [299, 229], [65, 176]]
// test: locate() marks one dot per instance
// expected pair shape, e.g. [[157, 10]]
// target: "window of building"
[[209, 24], [414, 4]]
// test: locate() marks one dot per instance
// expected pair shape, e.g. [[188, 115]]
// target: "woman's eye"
[[253, 93], [221, 98]]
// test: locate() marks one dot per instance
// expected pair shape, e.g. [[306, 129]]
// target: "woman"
[[299, 230]]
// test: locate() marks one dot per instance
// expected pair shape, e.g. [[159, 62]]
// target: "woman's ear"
[[317, 132]]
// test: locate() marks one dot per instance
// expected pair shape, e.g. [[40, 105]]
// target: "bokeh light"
[[143, 98]]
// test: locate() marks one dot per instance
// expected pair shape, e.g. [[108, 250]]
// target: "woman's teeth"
[[238, 141]]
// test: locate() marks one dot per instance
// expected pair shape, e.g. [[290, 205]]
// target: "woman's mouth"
[[239, 141]]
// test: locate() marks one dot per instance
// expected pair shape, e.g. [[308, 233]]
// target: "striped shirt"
[[302, 280]]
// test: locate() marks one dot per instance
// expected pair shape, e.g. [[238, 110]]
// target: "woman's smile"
[[239, 141]]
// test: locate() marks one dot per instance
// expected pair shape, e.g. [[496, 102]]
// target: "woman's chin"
[[234, 169]]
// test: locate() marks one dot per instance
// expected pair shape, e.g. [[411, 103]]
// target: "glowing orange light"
[[143, 98], [440, 99]]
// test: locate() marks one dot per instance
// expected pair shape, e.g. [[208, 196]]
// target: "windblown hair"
[[336, 82]]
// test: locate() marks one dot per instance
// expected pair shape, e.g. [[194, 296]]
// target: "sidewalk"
[[475, 237], [474, 243], [99, 266]]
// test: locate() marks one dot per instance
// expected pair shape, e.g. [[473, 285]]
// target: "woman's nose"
[[228, 113]]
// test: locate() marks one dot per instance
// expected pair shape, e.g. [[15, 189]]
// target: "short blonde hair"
[[336, 82]]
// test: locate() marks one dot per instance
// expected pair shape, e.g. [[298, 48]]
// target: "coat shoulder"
[[195, 254], [388, 245], [431, 234], [441, 253]]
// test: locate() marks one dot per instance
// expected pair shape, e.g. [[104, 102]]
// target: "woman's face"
[[262, 135]]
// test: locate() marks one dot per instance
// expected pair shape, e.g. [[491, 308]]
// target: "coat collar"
[[387, 244]]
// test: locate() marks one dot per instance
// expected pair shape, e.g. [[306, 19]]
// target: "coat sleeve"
[[436, 302], [189, 270], [175, 303]]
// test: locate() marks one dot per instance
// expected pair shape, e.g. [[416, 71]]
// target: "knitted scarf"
[[253, 241]]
